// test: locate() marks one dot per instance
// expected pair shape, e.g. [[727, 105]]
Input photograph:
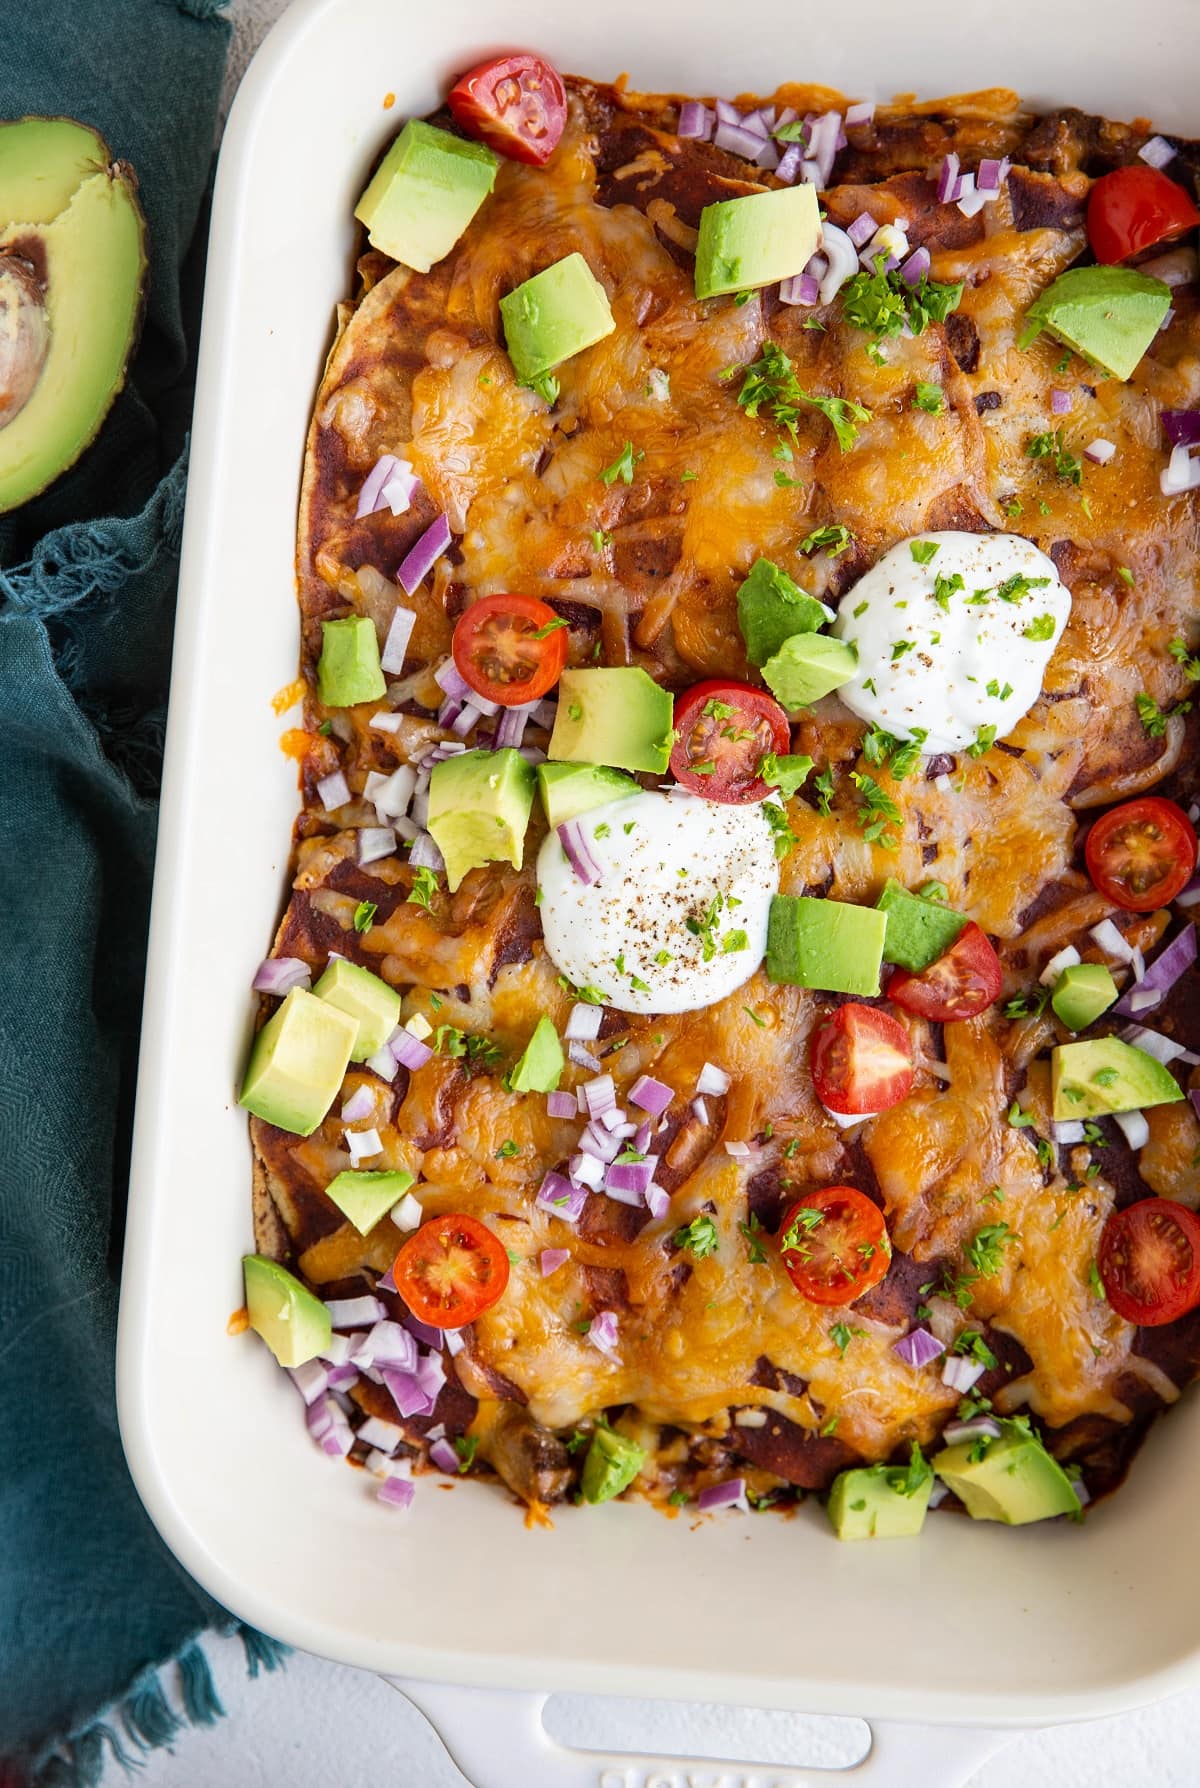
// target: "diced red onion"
[[408, 1213], [586, 1169], [370, 496], [558, 1196], [597, 1141], [311, 1380], [342, 1377], [713, 1080], [397, 1493], [938, 1494], [466, 721], [364, 1145], [407, 1393], [823, 138], [1167, 968], [916, 266], [790, 163], [411, 1052], [338, 1349], [621, 1196], [424, 854], [1181, 473], [948, 187], [334, 791], [584, 1023], [1178, 267], [1138, 965], [1060, 402], [730, 1494], [545, 713], [991, 175], [740, 1151], [1111, 940], [959, 1373], [613, 1120], [862, 229], [424, 1332], [279, 974], [1194, 1096], [1181, 427], [386, 1283], [603, 1333], [1100, 451], [695, 121], [329, 1428], [560, 1105], [700, 1109], [1134, 1128], [919, 1347], [738, 140], [386, 721], [842, 258], [360, 1104], [657, 1200], [391, 659], [353, 1313], [387, 1344], [577, 852], [385, 1436], [550, 1259], [390, 795], [768, 157], [451, 681], [650, 1095], [629, 1176], [861, 112], [1157, 152], [818, 266], [1066, 958], [1189, 896], [1163, 1049], [971, 201], [374, 843], [510, 728], [755, 121], [442, 1454], [600, 1094], [980, 1428], [422, 556], [801, 288], [1068, 1131], [583, 1057], [728, 113], [641, 1137], [431, 1371]]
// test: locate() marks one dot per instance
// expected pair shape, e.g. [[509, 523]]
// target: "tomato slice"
[[1141, 854], [861, 1060], [510, 649], [723, 732], [964, 981], [451, 1270], [1133, 208], [835, 1245], [1149, 1260], [517, 105]]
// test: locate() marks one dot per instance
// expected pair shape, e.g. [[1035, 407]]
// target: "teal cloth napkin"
[[91, 1604]]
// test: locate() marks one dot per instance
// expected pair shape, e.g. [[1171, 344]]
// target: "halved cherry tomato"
[[1133, 208], [1149, 1260], [1142, 853], [510, 648], [515, 104], [723, 732], [835, 1245], [963, 982], [451, 1270], [861, 1060]]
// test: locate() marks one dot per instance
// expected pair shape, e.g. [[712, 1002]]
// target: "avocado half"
[[72, 272]]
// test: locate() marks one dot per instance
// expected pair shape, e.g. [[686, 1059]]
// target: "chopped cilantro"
[[875, 811], [424, 888], [1040, 628], [784, 773], [508, 1148], [364, 915], [750, 1231], [1052, 447], [1154, 718], [1189, 664], [841, 1334], [771, 383], [466, 1446], [550, 627], [792, 1241], [699, 1237], [923, 550], [622, 466], [781, 827], [834, 538], [753, 1015], [930, 398], [985, 738]]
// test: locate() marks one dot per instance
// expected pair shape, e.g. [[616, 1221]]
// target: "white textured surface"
[[320, 1725]]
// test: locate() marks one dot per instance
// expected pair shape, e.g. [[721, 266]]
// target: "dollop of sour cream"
[[954, 641], [678, 917]]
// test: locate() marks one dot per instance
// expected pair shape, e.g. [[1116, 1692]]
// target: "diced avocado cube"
[[1081, 993], [348, 670], [364, 1198], [620, 717], [567, 790], [479, 807], [808, 666], [756, 240], [298, 1062], [881, 1502], [559, 312], [373, 1005], [424, 193], [1011, 1479], [611, 1465], [539, 1068], [825, 943], [294, 1324], [1102, 1075], [772, 607], [1108, 314], [918, 930]]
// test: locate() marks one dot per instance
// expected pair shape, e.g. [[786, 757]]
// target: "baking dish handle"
[[498, 1740]]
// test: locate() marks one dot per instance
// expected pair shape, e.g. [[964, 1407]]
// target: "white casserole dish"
[[971, 1624]]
